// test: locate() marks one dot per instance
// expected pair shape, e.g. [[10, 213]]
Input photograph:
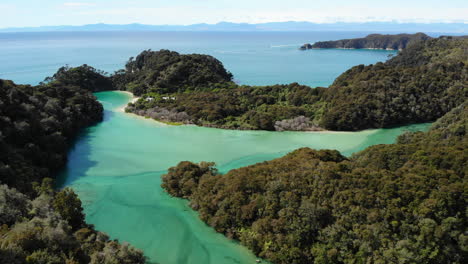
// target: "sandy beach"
[[133, 100]]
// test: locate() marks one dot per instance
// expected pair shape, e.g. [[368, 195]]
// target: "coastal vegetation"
[[422, 83], [37, 126], [167, 71], [372, 41], [83, 76], [398, 203], [239, 107]]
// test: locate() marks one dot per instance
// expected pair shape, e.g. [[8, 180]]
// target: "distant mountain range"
[[272, 26]]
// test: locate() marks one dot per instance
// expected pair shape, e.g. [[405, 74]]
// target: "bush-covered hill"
[[37, 126], [39, 225], [239, 107], [420, 84], [83, 76], [398, 203], [372, 41], [167, 71]]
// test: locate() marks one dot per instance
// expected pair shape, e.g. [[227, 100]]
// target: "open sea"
[[254, 58]]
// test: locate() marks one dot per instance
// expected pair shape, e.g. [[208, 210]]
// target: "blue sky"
[[21, 13]]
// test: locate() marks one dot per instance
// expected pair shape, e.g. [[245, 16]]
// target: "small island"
[[373, 41]]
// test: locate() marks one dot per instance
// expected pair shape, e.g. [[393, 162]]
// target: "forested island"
[[38, 224], [399, 203], [372, 41]]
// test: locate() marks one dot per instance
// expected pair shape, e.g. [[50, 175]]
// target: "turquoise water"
[[115, 166], [259, 58]]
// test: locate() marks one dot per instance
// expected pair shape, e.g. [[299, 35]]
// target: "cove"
[[116, 167]]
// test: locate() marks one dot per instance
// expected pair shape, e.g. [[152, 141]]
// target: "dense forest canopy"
[[37, 126], [238, 107], [167, 71], [420, 84], [37, 224], [372, 41], [83, 76], [398, 203]]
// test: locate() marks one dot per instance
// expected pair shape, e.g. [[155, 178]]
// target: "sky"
[[27, 13]]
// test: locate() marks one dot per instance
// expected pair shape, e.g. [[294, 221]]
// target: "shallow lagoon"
[[115, 167]]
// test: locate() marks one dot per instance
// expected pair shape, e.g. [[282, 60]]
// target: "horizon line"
[[247, 23]]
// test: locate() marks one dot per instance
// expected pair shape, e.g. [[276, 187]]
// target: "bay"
[[116, 169], [116, 166]]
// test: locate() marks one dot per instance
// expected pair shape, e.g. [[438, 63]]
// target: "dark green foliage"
[[37, 125], [40, 225], [68, 205], [181, 180], [13, 205], [167, 71], [373, 41], [421, 84], [83, 76], [242, 107], [45, 234], [398, 203]]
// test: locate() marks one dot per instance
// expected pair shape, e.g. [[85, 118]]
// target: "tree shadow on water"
[[79, 156]]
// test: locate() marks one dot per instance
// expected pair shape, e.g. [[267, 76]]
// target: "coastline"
[[135, 98], [132, 100], [341, 48]]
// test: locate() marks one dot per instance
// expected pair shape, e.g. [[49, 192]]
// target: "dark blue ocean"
[[255, 58]]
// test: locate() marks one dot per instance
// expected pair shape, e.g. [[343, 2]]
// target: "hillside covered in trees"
[[83, 76], [167, 71], [398, 203], [40, 225], [238, 107], [372, 41], [420, 84]]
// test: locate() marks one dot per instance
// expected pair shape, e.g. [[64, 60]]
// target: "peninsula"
[[373, 41], [397, 203], [420, 84], [401, 91]]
